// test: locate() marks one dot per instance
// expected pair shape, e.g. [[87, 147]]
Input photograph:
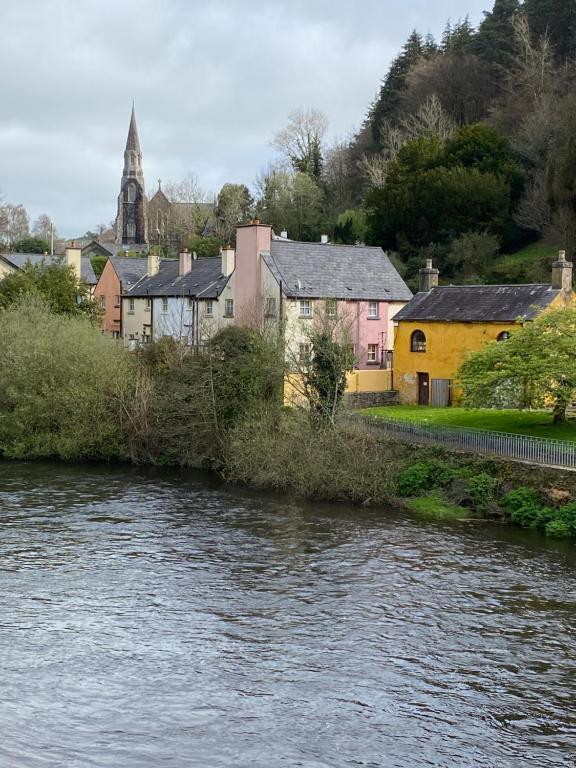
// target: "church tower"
[[131, 221]]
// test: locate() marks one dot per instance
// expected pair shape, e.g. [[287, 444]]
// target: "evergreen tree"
[[557, 18], [385, 108], [495, 41]]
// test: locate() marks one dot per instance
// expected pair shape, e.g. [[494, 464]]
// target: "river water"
[[159, 620]]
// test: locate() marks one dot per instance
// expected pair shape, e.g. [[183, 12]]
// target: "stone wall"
[[371, 399]]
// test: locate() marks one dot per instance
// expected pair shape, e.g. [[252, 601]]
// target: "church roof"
[[323, 270], [133, 142], [479, 303], [19, 260], [205, 280]]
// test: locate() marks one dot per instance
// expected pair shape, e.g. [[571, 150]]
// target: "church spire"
[[133, 142], [132, 218]]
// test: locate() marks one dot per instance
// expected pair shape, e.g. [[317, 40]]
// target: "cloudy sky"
[[212, 82]]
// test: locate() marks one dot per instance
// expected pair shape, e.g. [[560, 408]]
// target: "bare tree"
[[300, 143], [43, 228], [14, 223]]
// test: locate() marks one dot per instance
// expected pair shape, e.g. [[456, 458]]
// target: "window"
[[418, 342], [331, 308], [372, 353], [210, 307], [305, 352], [131, 229], [190, 302], [102, 302], [115, 334], [503, 336], [270, 307], [373, 310], [229, 308], [131, 193], [116, 301], [164, 305], [131, 306], [305, 308], [148, 304]]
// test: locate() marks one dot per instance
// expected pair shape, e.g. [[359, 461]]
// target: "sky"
[[212, 83]]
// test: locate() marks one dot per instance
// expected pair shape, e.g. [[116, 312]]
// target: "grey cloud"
[[212, 83]]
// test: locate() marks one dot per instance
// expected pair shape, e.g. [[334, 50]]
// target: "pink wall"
[[366, 330], [250, 241]]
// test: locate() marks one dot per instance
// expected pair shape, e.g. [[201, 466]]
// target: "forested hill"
[[467, 154]]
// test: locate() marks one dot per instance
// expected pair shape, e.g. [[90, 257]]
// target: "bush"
[[426, 475], [483, 490], [64, 387]]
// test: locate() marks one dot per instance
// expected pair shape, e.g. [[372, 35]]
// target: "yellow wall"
[[447, 344], [357, 381]]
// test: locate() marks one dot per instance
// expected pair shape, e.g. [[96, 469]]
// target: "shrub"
[[64, 387], [426, 475]]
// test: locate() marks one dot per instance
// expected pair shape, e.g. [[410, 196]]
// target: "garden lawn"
[[536, 423]]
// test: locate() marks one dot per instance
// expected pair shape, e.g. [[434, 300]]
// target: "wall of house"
[[447, 344], [108, 286], [137, 323], [354, 324]]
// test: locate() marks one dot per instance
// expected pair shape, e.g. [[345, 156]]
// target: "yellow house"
[[441, 325]]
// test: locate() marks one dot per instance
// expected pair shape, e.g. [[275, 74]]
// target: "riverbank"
[[346, 463]]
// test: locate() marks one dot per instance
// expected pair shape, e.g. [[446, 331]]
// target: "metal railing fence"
[[534, 450]]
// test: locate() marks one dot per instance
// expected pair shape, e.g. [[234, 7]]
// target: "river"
[[151, 619]]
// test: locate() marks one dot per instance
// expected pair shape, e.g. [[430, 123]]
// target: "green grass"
[[532, 264], [536, 423], [435, 507]]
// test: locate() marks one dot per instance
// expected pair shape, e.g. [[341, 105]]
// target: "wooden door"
[[423, 389]]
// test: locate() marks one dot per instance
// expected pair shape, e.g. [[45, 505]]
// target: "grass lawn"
[[536, 423], [531, 264]]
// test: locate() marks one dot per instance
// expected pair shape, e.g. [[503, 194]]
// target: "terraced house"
[[186, 298], [12, 262], [442, 324]]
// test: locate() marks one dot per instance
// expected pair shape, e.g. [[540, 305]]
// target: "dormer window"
[[418, 342]]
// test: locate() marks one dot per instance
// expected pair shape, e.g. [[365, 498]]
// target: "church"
[[159, 221]]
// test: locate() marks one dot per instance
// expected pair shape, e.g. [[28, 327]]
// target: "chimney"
[[185, 263], [428, 277], [74, 259], [153, 263], [562, 274], [324, 239], [284, 234], [228, 260]]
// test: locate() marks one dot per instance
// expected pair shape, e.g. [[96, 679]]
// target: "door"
[[440, 392], [423, 389]]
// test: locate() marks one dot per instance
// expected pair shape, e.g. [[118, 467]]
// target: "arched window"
[[131, 192], [503, 336], [418, 342], [131, 229]]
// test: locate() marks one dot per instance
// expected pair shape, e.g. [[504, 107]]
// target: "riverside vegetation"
[[68, 392]]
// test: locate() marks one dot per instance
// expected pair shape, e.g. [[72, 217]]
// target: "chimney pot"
[[284, 234], [323, 239]]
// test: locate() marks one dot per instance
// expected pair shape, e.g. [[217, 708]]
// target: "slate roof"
[[205, 278], [479, 303], [18, 260], [322, 270], [129, 270], [112, 249]]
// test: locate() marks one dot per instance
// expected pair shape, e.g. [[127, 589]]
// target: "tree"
[[556, 19], [44, 229], [472, 253], [14, 224], [31, 245], [495, 40], [300, 143], [55, 282], [291, 202], [234, 206], [350, 227], [535, 365]]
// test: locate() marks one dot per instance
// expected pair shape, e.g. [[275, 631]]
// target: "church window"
[[131, 229], [131, 191]]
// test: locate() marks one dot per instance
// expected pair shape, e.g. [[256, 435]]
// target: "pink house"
[[280, 279]]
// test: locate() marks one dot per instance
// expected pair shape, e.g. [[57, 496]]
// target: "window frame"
[[418, 346], [271, 307], [209, 309], [310, 309], [164, 305], [372, 349], [304, 355], [228, 307], [374, 305], [331, 304], [131, 306]]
